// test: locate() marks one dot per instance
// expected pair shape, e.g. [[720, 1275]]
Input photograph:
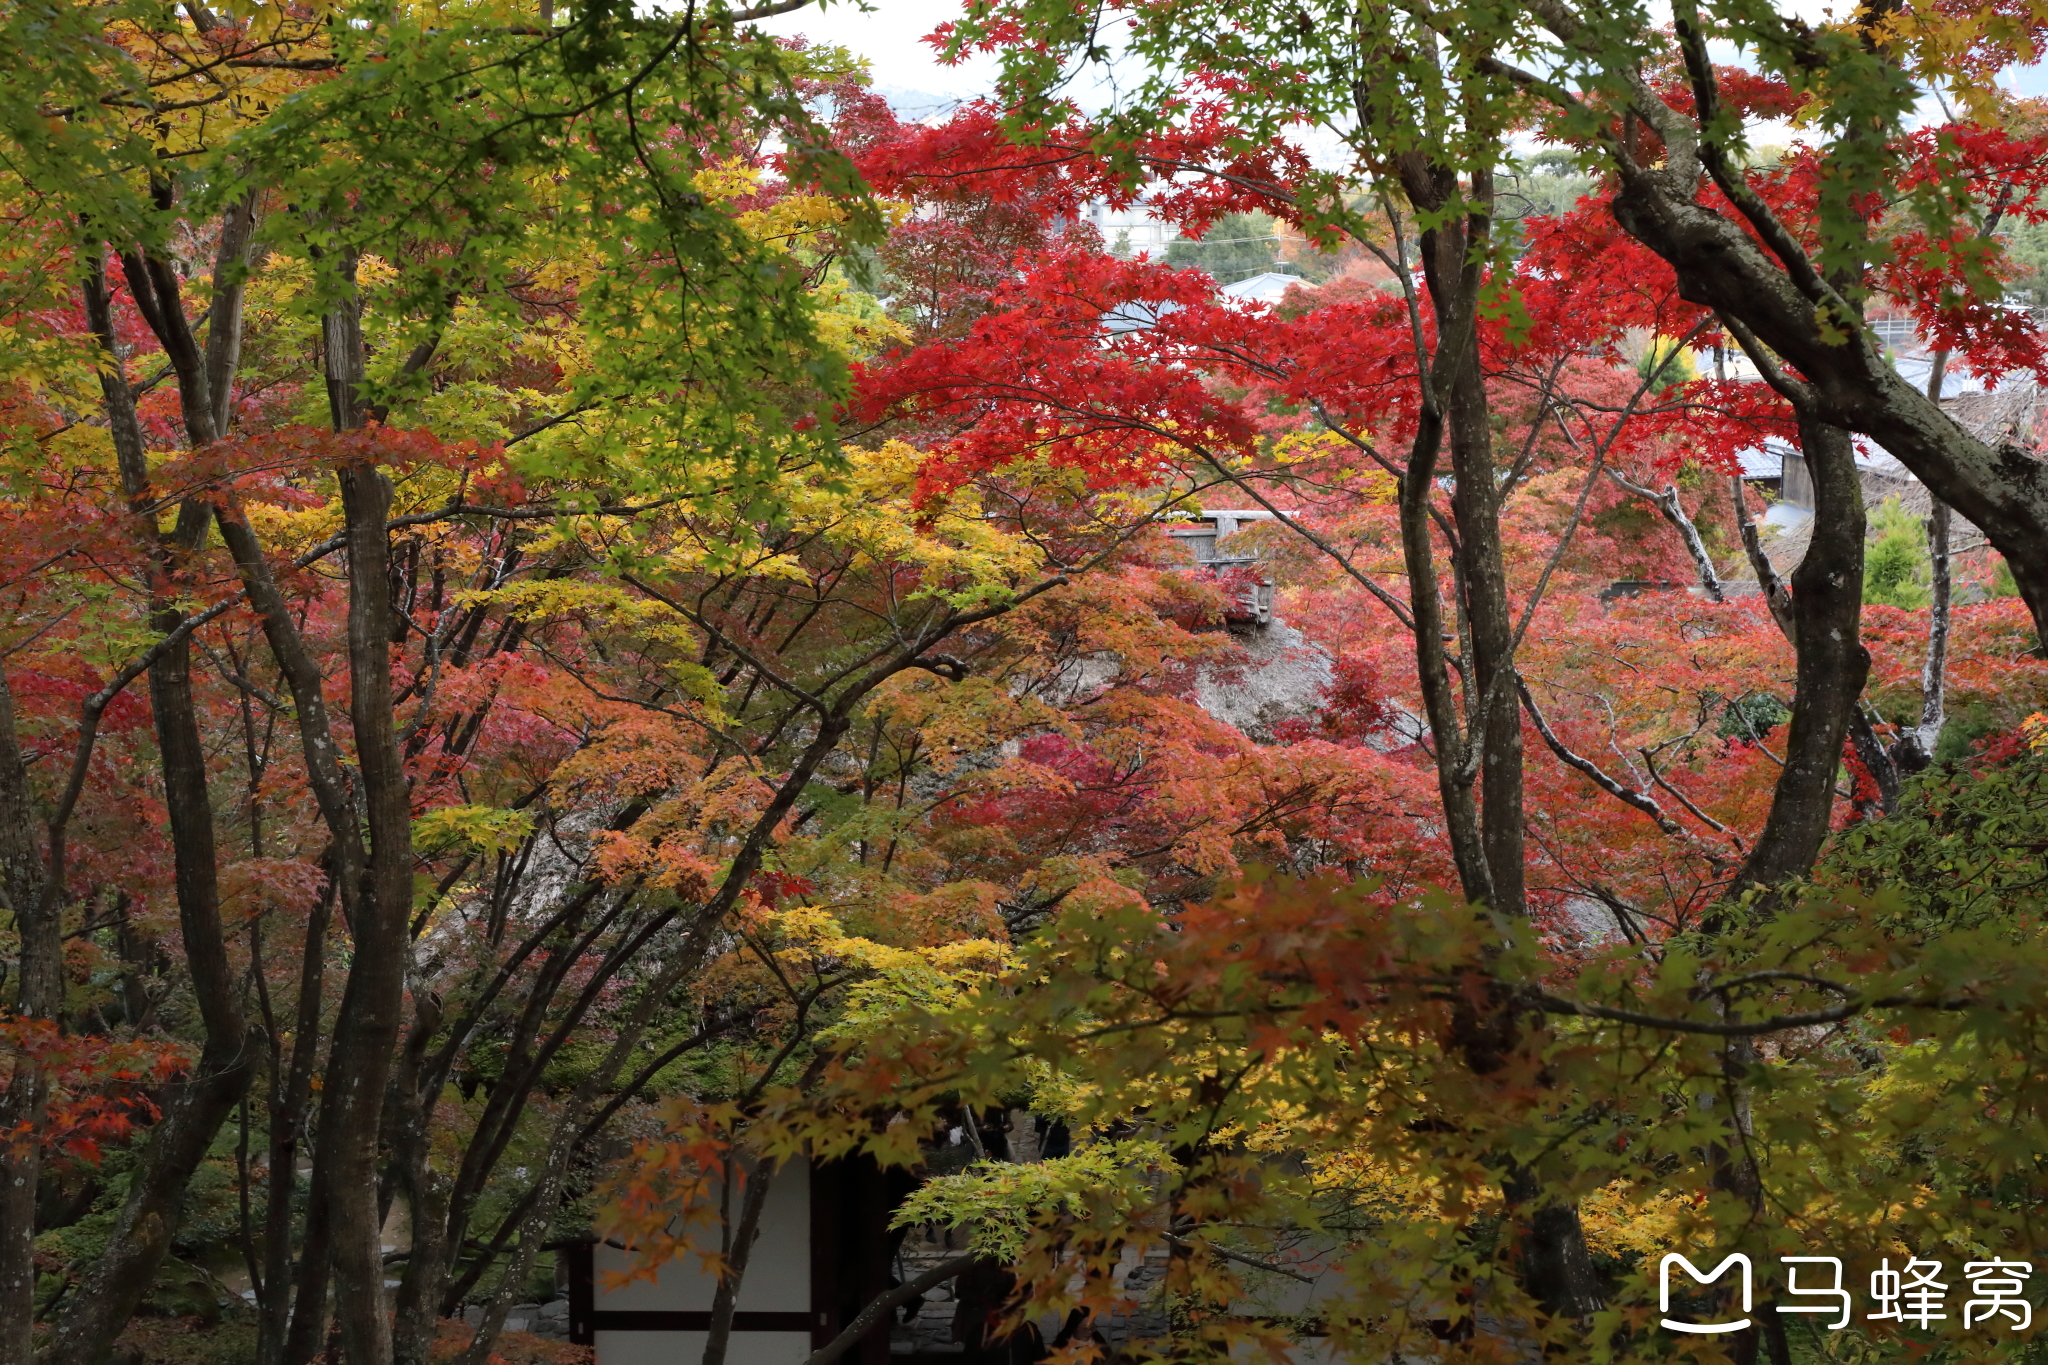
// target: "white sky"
[[888, 37]]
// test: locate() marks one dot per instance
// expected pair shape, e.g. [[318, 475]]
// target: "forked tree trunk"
[[1494, 712], [1722, 265], [1451, 411], [1556, 1269], [107, 1296]]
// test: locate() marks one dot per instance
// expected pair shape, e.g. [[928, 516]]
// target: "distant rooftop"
[[1268, 286]]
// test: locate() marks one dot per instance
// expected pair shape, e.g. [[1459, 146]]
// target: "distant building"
[[1133, 229], [1267, 287], [1203, 538]]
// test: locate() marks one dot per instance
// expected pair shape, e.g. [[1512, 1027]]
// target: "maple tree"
[[1197, 386], [342, 277], [641, 605]]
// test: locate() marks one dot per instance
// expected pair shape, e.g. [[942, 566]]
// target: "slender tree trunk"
[[38, 1002], [224, 314], [1439, 703], [294, 1318], [1453, 258], [1916, 751], [106, 1297], [1926, 737], [1878, 762], [1556, 1267], [408, 1127], [1496, 719], [739, 1252], [1450, 413], [1776, 595], [289, 1093], [366, 1033], [306, 1328]]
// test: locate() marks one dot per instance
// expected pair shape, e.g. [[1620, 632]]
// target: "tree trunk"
[[1453, 412], [1916, 751], [1440, 706], [1826, 608], [1495, 720], [367, 1030], [289, 1093], [1453, 257], [1556, 1267], [38, 1002], [408, 1125], [1926, 737], [106, 1298], [739, 1250], [224, 314]]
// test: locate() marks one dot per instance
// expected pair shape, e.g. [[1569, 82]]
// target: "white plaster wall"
[[778, 1276]]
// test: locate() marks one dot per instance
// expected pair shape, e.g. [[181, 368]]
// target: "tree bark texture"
[[1452, 257], [1826, 608], [1439, 702], [107, 1295], [1557, 1269], [1418, 544], [1556, 1265], [38, 1001], [367, 1029]]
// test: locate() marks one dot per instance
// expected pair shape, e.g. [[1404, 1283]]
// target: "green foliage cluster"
[[1238, 247], [1752, 717], [2026, 246], [1896, 567], [1968, 846], [1545, 185], [1665, 362]]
